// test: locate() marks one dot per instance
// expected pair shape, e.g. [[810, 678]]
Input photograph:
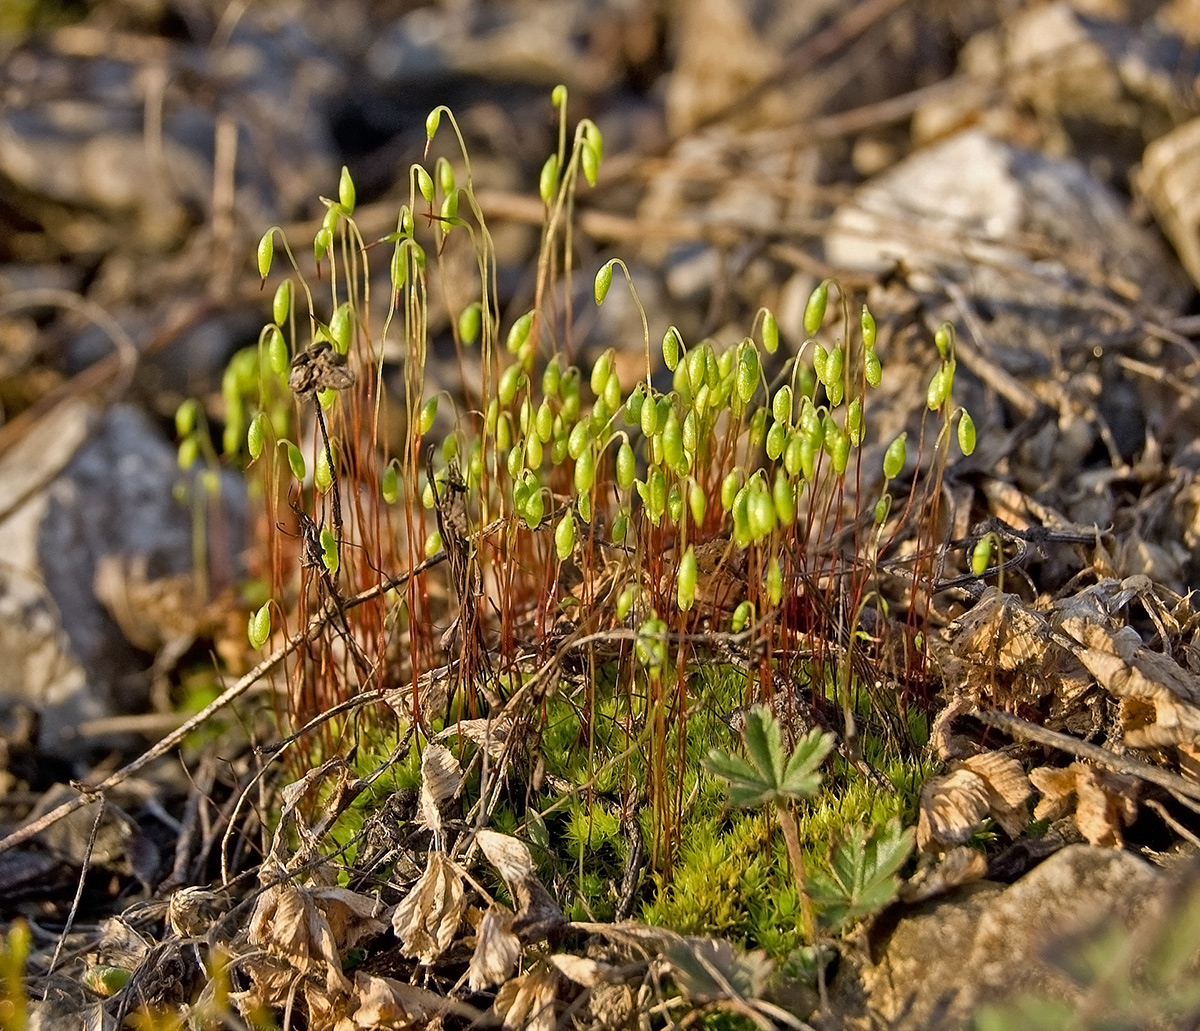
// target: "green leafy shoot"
[[861, 877], [769, 775]]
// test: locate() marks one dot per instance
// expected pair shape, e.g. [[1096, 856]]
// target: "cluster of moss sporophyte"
[[639, 530]]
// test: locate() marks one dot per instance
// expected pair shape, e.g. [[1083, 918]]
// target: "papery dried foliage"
[[1103, 802], [312, 928], [304, 932], [192, 911], [385, 1003], [538, 915], [529, 1001], [936, 876], [1008, 789], [953, 807], [427, 918], [441, 780], [1169, 695], [497, 950]]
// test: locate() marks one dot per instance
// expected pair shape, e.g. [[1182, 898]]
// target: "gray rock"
[[990, 943], [90, 487]]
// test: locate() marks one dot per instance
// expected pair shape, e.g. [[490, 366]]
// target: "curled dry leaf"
[[192, 911], [491, 734], [952, 808], [428, 916], [1125, 667], [1104, 802], [538, 915], [1003, 631], [528, 1001], [946, 743], [497, 950], [307, 931], [583, 971], [1008, 789], [441, 780], [960, 865], [386, 1003], [510, 856]]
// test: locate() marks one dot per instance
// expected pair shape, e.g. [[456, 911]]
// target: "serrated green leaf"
[[800, 778], [764, 745], [861, 874]]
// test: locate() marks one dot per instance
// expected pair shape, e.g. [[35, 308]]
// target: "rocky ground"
[[1023, 170]]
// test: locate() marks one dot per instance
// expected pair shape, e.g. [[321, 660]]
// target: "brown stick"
[[315, 628], [1019, 728]]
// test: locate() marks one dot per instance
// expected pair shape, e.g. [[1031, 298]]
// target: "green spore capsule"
[[894, 457], [868, 329], [685, 593], [259, 628], [814, 310], [564, 537], [966, 433]]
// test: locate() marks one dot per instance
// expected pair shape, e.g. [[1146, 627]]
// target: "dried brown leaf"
[[952, 808], [192, 911], [1105, 803], [960, 865], [537, 912], [389, 1004], [1001, 630], [528, 1001], [1057, 786], [1008, 789], [441, 780], [509, 855], [1126, 668], [428, 916], [497, 950], [946, 743], [583, 971], [491, 734]]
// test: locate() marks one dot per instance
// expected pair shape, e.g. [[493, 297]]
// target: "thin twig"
[[1019, 728], [316, 627]]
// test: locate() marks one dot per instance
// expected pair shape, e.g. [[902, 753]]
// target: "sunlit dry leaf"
[[960, 865], [948, 745], [1189, 761], [1105, 802], [428, 916], [508, 855], [297, 932], [1126, 668], [528, 1001], [537, 912], [293, 797], [1057, 788], [121, 945], [497, 950], [441, 780], [1002, 630], [582, 971], [389, 1004], [952, 808], [491, 734], [1008, 789], [192, 911]]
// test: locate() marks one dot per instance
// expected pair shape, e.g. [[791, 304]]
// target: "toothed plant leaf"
[[768, 774], [861, 875]]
